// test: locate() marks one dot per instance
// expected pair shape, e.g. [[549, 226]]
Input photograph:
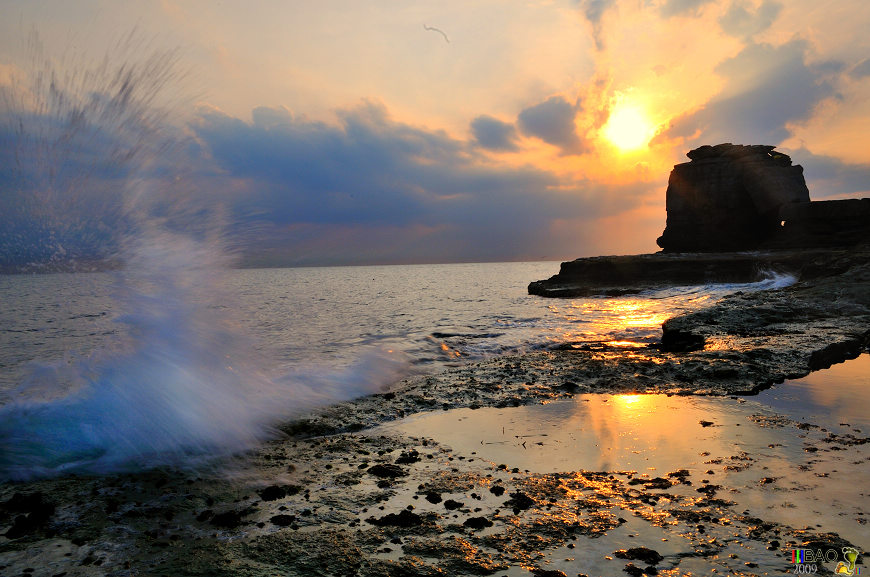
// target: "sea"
[[332, 318], [113, 370]]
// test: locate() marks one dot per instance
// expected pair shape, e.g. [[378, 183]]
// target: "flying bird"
[[438, 30]]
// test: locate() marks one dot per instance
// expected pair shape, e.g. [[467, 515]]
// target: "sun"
[[628, 128]]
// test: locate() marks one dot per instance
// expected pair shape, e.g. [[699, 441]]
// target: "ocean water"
[[333, 318], [175, 364]]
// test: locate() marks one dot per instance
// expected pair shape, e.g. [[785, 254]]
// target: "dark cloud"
[[593, 11], [861, 70], [494, 134], [828, 176], [371, 189], [740, 21], [766, 88], [682, 7], [553, 122]]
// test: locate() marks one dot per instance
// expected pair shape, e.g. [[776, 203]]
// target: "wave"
[[187, 388]]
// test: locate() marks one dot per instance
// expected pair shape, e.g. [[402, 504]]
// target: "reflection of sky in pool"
[[837, 395], [734, 442]]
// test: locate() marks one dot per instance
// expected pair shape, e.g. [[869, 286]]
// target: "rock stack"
[[730, 198]]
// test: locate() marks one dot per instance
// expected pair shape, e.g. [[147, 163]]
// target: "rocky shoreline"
[[630, 274], [332, 498]]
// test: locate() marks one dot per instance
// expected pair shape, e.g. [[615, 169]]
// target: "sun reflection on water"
[[627, 321]]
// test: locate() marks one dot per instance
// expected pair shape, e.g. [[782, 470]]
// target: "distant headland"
[[733, 212]]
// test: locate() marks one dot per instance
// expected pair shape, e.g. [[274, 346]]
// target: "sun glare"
[[628, 127]]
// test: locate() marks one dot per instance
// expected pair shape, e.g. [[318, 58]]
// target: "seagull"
[[438, 30]]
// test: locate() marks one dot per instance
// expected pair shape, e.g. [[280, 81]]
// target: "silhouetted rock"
[[387, 471], [734, 214], [648, 556], [33, 509], [826, 223], [404, 518], [615, 275], [728, 198], [676, 341]]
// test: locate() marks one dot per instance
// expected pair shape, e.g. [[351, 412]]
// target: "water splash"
[[95, 181], [74, 135]]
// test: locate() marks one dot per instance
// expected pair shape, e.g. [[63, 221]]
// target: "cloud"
[[494, 134], [739, 21], [766, 87], [594, 11], [303, 184], [553, 122], [861, 70], [682, 7], [828, 176]]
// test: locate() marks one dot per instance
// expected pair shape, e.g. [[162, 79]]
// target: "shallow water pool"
[[796, 453]]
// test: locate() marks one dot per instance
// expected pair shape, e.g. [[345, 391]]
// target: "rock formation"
[[825, 223], [729, 197], [735, 214]]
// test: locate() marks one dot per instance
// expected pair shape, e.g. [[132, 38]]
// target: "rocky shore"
[[619, 275], [332, 498]]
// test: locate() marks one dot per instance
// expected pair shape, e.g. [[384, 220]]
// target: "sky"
[[342, 132]]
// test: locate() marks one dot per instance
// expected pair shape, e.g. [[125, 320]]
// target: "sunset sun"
[[628, 127]]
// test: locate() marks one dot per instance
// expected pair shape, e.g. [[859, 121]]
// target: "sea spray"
[[185, 383], [186, 388]]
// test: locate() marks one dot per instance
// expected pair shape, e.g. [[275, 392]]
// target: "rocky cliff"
[[729, 198]]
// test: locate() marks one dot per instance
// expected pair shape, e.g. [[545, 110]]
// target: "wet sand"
[[732, 483]]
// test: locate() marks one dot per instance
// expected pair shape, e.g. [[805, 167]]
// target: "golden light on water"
[[628, 399], [637, 313], [588, 319]]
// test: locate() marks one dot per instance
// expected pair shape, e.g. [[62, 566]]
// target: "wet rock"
[[433, 497], [452, 505], [497, 490], [570, 386], [404, 518], [681, 475], [839, 352], [227, 520], [709, 490], [275, 492], [386, 470], [519, 501], [322, 551], [628, 274], [648, 556], [477, 523], [654, 483], [678, 341], [548, 573], [283, 520], [408, 457], [33, 511], [633, 570]]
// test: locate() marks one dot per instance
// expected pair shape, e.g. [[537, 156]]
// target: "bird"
[[438, 30]]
